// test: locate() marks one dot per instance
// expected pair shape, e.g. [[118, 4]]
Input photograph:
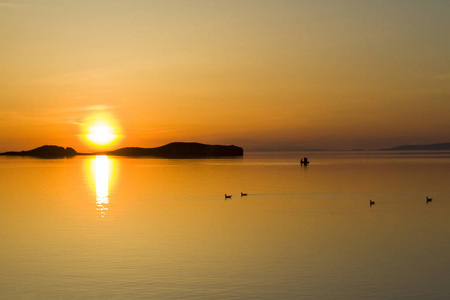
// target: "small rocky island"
[[172, 150], [47, 151]]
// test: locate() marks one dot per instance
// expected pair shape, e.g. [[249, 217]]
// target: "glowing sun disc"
[[101, 134]]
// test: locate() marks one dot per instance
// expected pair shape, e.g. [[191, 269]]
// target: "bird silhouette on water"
[[243, 194], [227, 196], [371, 202], [429, 199]]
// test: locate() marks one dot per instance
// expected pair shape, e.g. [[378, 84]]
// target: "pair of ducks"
[[229, 196], [373, 202]]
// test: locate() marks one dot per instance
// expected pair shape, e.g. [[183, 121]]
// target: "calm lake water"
[[126, 228]]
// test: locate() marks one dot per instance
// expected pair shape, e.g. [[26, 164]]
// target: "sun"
[[100, 130], [101, 134]]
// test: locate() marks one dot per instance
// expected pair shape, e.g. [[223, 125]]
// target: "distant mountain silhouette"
[[47, 151], [173, 150], [179, 149], [443, 146]]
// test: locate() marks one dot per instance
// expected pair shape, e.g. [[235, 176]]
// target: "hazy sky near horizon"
[[258, 74]]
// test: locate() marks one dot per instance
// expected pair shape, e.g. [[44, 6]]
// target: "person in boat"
[[304, 161]]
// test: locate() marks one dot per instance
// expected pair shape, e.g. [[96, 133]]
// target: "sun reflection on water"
[[102, 183], [101, 171]]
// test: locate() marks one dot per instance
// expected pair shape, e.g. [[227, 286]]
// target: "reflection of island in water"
[[101, 167]]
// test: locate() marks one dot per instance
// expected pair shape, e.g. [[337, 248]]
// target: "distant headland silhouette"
[[442, 146], [172, 150]]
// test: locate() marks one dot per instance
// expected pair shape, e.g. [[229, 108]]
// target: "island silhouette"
[[47, 151], [442, 146], [172, 150]]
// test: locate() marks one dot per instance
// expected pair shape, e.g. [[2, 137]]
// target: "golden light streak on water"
[[102, 177]]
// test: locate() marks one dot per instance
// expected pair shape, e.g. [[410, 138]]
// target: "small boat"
[[227, 196], [304, 161]]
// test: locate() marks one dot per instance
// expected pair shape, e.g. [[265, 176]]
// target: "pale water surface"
[[125, 228]]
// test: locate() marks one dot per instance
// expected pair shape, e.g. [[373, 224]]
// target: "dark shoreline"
[[172, 150]]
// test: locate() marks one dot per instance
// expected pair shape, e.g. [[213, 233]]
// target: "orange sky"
[[258, 74]]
